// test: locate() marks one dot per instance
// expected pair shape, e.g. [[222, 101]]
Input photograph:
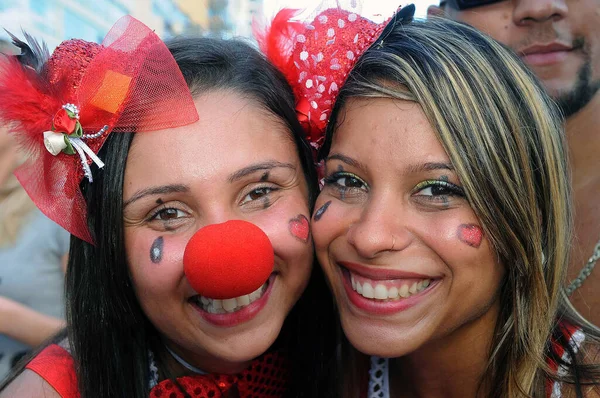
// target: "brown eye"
[[168, 214], [345, 181], [257, 193], [350, 182], [435, 188]]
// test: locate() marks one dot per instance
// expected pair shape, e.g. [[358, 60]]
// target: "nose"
[[534, 11], [381, 228], [228, 260]]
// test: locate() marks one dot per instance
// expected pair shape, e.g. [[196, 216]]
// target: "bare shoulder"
[[569, 391], [29, 384]]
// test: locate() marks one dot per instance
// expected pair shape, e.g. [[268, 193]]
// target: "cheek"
[[155, 261], [330, 221], [470, 234], [156, 250], [299, 228], [320, 212], [467, 254], [288, 228]]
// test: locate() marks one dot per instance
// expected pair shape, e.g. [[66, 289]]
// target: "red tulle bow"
[[265, 378], [316, 58], [63, 114]]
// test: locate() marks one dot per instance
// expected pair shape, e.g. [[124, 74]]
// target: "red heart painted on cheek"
[[471, 234], [300, 228]]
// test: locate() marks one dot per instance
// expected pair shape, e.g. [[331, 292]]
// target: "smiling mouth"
[[386, 290], [227, 306]]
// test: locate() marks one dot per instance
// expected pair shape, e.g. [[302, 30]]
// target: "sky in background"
[[369, 7]]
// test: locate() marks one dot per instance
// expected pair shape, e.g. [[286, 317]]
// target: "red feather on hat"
[[277, 40]]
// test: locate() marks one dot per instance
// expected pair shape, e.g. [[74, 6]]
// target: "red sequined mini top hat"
[[317, 54], [62, 107]]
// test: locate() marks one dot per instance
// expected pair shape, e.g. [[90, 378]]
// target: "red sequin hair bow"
[[317, 55], [63, 107]]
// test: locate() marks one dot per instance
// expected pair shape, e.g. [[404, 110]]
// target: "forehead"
[[231, 132], [387, 130]]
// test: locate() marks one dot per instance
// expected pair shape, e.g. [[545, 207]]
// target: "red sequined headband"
[[317, 56], [63, 108]]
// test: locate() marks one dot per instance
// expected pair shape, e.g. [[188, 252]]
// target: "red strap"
[[55, 365]]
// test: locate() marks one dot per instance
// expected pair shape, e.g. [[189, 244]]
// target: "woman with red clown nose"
[[183, 175]]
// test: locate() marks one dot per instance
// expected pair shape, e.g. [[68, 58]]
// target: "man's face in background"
[[558, 40]]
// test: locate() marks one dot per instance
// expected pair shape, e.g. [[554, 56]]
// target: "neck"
[[452, 366], [204, 363], [583, 135]]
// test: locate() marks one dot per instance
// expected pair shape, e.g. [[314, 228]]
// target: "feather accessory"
[[33, 53], [62, 109]]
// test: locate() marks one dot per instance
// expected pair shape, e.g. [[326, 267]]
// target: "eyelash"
[[269, 188], [161, 210], [333, 179], [455, 190]]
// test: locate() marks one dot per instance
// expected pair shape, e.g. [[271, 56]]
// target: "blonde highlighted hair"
[[505, 139]]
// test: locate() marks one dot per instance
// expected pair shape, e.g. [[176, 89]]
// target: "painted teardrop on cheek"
[[156, 250], [319, 213], [471, 234], [300, 228]]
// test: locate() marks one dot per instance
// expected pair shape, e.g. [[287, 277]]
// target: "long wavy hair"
[[505, 139], [109, 334]]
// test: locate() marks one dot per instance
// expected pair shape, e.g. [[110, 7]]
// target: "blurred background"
[[58, 20]]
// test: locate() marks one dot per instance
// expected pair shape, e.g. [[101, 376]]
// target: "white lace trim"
[[379, 385]]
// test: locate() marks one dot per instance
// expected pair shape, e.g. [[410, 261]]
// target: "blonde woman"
[[32, 265], [444, 224]]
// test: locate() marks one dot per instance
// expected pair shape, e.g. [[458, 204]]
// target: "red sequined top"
[[266, 377]]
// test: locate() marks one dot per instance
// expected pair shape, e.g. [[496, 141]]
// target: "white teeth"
[[229, 305], [367, 290], [403, 292], [243, 300], [255, 294], [413, 288], [381, 292], [216, 306]]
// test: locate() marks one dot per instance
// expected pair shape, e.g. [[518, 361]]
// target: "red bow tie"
[[266, 377]]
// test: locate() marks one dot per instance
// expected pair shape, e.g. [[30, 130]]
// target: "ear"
[[435, 11]]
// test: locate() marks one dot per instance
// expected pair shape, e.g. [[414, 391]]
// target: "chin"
[[381, 340], [246, 346]]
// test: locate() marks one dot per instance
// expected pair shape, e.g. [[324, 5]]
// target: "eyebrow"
[[258, 167], [430, 166], [349, 161], [415, 168], [163, 189]]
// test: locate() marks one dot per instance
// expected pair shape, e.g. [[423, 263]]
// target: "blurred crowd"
[[33, 258]]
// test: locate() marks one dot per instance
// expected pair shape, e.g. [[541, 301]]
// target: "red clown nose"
[[228, 260]]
